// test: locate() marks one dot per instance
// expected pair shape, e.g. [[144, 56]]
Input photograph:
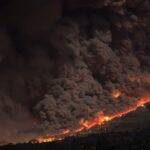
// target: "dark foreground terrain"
[[139, 140]]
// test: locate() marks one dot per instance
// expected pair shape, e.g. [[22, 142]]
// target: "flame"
[[116, 93], [100, 119]]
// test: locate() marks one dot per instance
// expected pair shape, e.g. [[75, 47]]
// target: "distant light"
[[116, 93]]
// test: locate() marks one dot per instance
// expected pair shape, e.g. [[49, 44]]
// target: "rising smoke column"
[[96, 77]]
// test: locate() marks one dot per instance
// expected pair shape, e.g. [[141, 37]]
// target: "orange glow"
[[107, 118], [116, 93], [140, 78], [46, 139], [143, 105], [66, 131], [100, 119]]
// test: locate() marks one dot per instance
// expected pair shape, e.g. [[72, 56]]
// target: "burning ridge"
[[97, 121]]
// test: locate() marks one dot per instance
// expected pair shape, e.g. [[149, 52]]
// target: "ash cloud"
[[61, 61]]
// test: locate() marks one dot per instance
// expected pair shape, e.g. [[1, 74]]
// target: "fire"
[[143, 105], [116, 93], [49, 138], [107, 118], [100, 119], [46, 139]]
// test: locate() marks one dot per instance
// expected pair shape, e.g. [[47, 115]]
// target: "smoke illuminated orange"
[[140, 78], [116, 93], [100, 119]]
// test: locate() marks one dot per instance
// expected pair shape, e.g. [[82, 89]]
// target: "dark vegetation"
[[139, 140]]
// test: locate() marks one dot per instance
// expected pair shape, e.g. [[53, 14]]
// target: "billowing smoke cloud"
[[62, 62]]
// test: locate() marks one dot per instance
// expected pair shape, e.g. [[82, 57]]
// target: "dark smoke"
[[61, 61]]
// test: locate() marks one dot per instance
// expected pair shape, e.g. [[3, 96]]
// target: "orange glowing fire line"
[[99, 120]]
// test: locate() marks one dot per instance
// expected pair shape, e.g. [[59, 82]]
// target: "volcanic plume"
[[67, 66]]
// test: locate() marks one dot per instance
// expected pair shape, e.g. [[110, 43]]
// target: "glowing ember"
[[116, 93], [107, 118], [143, 106], [100, 119]]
